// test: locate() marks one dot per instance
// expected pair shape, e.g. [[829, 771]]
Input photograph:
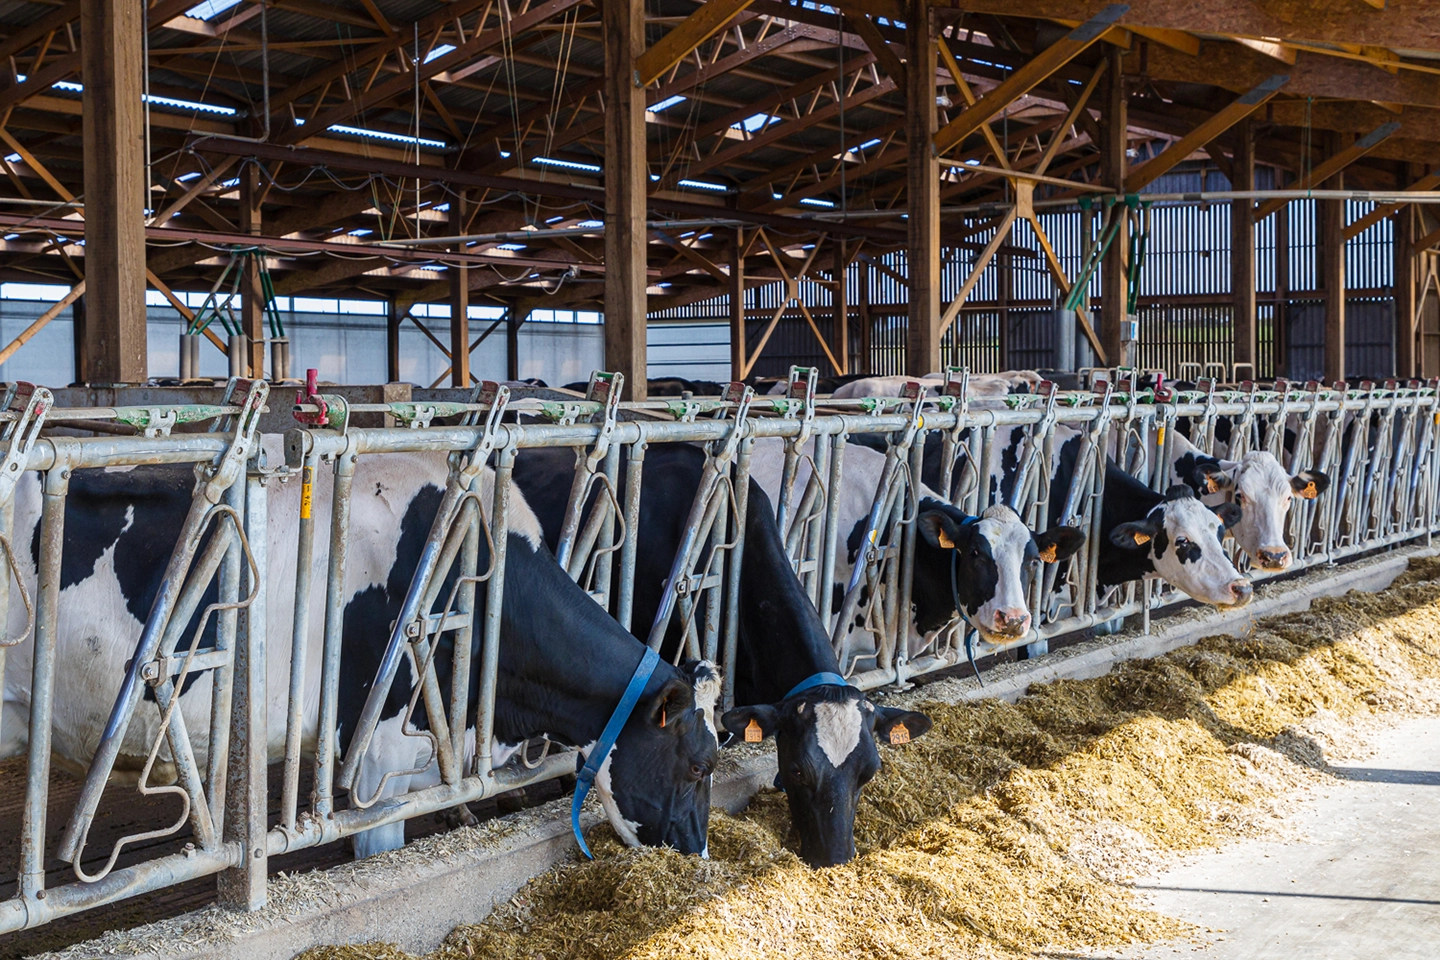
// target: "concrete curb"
[[415, 896]]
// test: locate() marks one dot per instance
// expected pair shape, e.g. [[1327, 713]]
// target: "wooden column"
[[626, 186], [922, 188], [1282, 285], [1405, 273], [737, 305], [459, 301], [1331, 214], [113, 125], [77, 338], [252, 293], [513, 319], [393, 319], [1242, 246], [1004, 288], [841, 301], [867, 365], [1114, 121]]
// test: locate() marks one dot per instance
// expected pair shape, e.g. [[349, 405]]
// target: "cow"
[[977, 568], [787, 682], [981, 385], [563, 664], [1259, 486]]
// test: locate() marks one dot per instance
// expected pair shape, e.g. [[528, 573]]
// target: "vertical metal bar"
[[222, 679], [905, 575], [736, 560], [494, 603], [634, 476], [300, 643], [604, 566], [832, 529], [246, 821], [471, 518], [326, 748], [55, 486]]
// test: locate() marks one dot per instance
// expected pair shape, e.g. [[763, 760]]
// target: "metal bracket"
[[213, 480], [29, 404]]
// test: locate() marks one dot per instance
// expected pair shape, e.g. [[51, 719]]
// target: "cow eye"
[[1181, 543], [698, 771]]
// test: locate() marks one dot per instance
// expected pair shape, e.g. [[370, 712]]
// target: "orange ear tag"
[[899, 734], [662, 717], [1049, 553], [945, 541], [753, 733], [1310, 492], [1142, 538]]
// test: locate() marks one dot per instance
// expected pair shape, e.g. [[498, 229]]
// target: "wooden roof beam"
[[1428, 182], [1333, 165], [703, 23], [1217, 124], [1027, 77]]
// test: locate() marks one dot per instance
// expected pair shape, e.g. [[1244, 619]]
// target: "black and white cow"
[[994, 555], [1259, 486], [563, 664], [826, 734]]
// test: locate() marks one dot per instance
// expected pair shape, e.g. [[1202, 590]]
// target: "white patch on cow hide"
[[521, 518], [500, 753], [707, 695], [627, 829], [837, 729]]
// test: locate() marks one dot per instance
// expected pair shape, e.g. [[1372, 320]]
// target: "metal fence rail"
[[1377, 442]]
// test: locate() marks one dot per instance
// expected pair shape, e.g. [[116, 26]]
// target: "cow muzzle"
[[1241, 592], [1011, 623], [1273, 558]]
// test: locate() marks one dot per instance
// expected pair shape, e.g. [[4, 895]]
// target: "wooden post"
[[841, 300], [737, 305], [1404, 291], [113, 125], [626, 187], [393, 319], [1114, 121], [512, 342], [252, 293], [867, 324], [1242, 247], [1005, 280], [922, 353], [1282, 286], [1332, 271], [459, 301], [77, 338]]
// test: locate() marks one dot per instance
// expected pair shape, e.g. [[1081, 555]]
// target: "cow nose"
[[1241, 591], [1274, 558], [1014, 620]]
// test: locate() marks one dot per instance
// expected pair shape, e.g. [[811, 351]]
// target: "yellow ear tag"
[[1210, 484], [1048, 554], [1310, 492], [753, 733], [1142, 538], [899, 734]]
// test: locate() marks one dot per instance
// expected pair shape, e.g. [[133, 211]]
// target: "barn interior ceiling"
[[369, 118]]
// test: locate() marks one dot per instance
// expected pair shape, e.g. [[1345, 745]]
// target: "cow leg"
[[389, 750]]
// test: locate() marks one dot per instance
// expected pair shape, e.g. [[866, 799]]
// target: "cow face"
[[995, 557], [825, 745], [1184, 540], [655, 785], [1259, 486]]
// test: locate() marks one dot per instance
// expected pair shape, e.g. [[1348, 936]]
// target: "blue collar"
[[608, 736], [823, 679]]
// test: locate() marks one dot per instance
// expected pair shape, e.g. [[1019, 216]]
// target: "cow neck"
[[568, 660], [784, 641]]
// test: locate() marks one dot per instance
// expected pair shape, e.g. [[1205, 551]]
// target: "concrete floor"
[[1365, 881]]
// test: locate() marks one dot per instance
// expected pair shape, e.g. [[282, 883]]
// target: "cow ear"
[[895, 727], [752, 724], [1212, 478], [1309, 484], [1229, 514], [1059, 543], [671, 703], [939, 529], [1133, 536]]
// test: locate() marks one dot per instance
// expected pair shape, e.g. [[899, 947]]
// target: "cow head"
[[1263, 491], [1184, 539], [994, 556], [825, 745], [655, 785]]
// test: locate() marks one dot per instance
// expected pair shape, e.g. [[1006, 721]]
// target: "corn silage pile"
[[1007, 828]]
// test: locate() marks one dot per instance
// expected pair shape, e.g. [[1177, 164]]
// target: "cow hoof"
[[512, 801], [456, 816]]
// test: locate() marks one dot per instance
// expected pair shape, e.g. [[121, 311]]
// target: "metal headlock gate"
[[1376, 441]]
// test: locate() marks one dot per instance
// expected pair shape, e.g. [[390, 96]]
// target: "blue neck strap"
[[608, 736], [823, 679]]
